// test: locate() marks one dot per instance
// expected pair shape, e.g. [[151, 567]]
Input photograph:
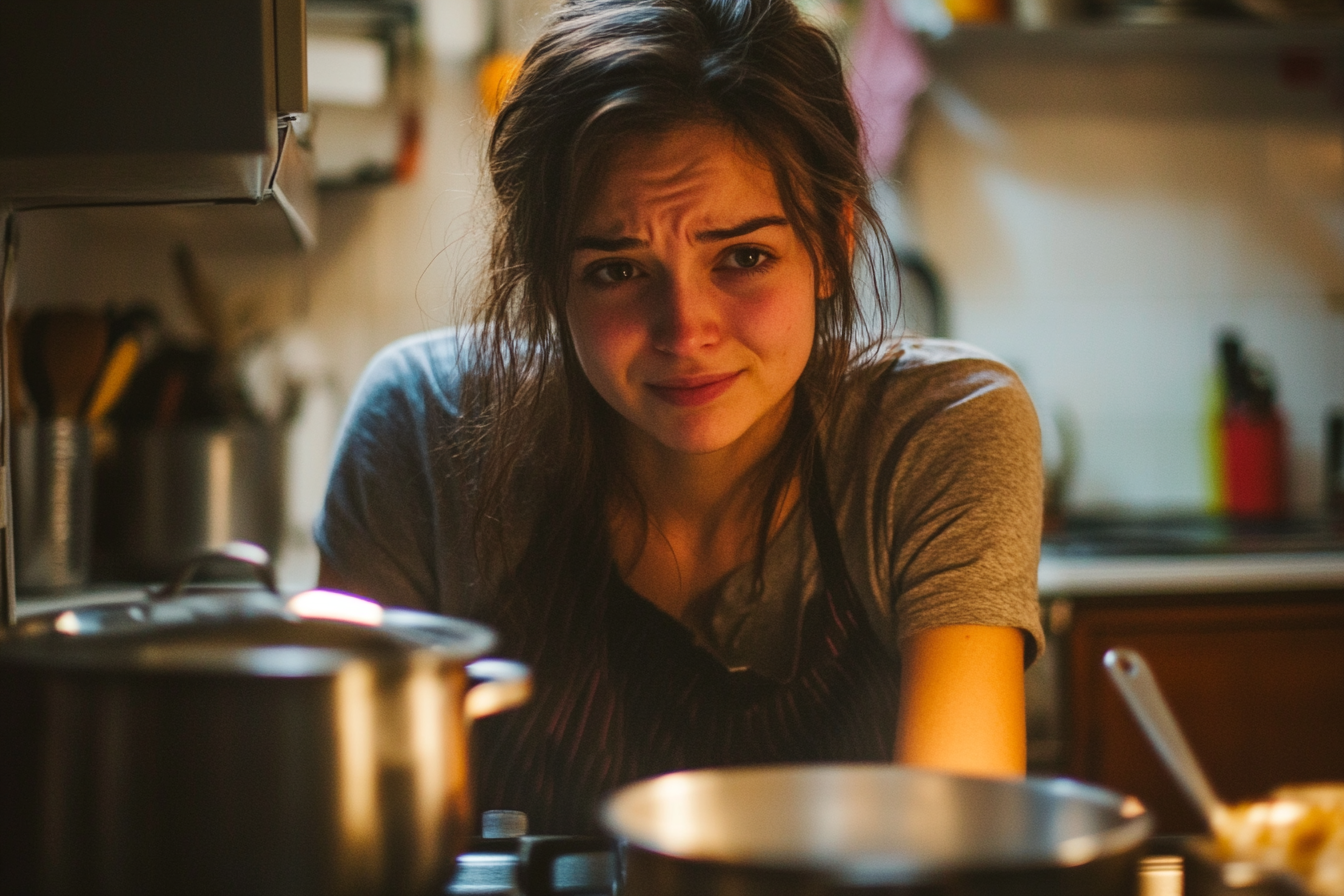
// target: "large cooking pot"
[[831, 829], [231, 741]]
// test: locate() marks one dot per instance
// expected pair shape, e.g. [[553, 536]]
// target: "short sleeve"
[[393, 523], [954, 516]]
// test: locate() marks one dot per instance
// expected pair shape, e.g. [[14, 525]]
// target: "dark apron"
[[623, 692]]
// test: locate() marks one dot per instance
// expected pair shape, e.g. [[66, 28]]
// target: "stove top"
[[505, 861], [537, 866], [510, 863]]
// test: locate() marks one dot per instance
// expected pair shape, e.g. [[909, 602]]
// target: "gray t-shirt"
[[932, 457]]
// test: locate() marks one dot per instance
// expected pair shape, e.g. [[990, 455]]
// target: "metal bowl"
[[842, 828]]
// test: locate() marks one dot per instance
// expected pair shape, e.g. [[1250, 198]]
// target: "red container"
[[1254, 480]]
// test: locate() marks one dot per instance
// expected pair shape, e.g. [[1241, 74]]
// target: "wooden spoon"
[[73, 348]]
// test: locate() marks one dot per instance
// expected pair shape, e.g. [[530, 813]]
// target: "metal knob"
[[497, 824]]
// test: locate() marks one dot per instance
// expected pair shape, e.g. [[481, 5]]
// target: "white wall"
[[1098, 221]]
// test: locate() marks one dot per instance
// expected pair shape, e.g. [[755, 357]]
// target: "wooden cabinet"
[[1256, 681]]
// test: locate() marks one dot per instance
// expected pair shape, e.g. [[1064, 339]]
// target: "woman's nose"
[[686, 316]]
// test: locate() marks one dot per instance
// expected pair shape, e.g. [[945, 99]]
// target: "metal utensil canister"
[[52, 484], [168, 493]]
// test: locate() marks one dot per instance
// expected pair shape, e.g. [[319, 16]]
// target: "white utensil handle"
[[1136, 684]]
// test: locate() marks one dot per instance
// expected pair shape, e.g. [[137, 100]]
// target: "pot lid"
[[242, 631]]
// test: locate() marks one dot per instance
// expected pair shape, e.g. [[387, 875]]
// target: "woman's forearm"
[[962, 701]]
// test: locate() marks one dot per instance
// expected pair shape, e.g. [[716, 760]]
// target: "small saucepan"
[[228, 740], [792, 830]]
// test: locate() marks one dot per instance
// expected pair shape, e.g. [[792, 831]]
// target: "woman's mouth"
[[691, 391]]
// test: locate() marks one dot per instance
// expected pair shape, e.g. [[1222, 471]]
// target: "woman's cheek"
[[606, 337], [779, 323]]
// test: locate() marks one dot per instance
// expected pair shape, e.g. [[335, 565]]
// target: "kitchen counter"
[[1136, 555], [1243, 625], [1063, 576]]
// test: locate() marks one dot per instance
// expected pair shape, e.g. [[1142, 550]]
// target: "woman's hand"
[[962, 703]]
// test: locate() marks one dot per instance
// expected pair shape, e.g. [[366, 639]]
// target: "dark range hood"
[[108, 102]]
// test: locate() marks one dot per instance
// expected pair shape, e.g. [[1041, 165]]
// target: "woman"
[[718, 531]]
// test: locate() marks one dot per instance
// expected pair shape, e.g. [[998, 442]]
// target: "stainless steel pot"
[[827, 829], [231, 741]]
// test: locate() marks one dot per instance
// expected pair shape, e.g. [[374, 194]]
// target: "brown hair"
[[603, 70]]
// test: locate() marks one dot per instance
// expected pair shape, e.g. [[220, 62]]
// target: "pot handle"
[[502, 684], [251, 555]]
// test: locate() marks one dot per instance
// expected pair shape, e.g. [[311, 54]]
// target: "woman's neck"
[[697, 517]]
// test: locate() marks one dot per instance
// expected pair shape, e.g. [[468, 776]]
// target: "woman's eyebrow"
[[746, 227], [617, 244]]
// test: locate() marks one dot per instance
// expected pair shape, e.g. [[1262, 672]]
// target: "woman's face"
[[692, 299]]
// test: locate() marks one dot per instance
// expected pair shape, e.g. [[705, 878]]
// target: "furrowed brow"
[[746, 227], [608, 244]]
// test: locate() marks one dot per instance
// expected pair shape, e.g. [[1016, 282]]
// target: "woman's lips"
[[691, 391]]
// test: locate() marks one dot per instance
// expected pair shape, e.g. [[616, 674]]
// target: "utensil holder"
[[168, 494], [53, 505]]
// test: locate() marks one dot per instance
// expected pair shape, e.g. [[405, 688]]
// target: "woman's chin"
[[686, 443], [711, 430], [683, 436]]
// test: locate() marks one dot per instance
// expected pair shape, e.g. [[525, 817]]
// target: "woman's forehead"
[[693, 174]]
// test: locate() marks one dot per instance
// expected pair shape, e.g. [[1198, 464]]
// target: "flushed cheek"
[[607, 344], [781, 330]]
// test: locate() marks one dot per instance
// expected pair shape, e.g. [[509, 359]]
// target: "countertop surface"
[[1136, 555], [1086, 556]]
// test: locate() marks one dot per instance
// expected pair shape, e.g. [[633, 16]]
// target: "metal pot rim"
[[173, 636], [674, 831]]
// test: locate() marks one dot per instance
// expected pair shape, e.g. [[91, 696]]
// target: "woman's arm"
[[962, 702]]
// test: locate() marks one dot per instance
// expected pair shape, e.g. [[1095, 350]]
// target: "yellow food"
[[1300, 829]]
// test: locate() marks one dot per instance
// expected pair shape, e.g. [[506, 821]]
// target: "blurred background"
[[1102, 195], [1138, 204]]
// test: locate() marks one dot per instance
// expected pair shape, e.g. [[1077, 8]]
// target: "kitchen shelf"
[[366, 117], [191, 202], [1234, 38]]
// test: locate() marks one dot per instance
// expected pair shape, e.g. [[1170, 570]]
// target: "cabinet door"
[[1256, 681]]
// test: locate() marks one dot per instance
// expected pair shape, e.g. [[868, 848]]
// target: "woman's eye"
[[747, 257], [612, 272]]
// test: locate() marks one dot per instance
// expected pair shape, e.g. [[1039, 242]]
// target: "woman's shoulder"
[[934, 464], [914, 380], [423, 372], [926, 354]]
